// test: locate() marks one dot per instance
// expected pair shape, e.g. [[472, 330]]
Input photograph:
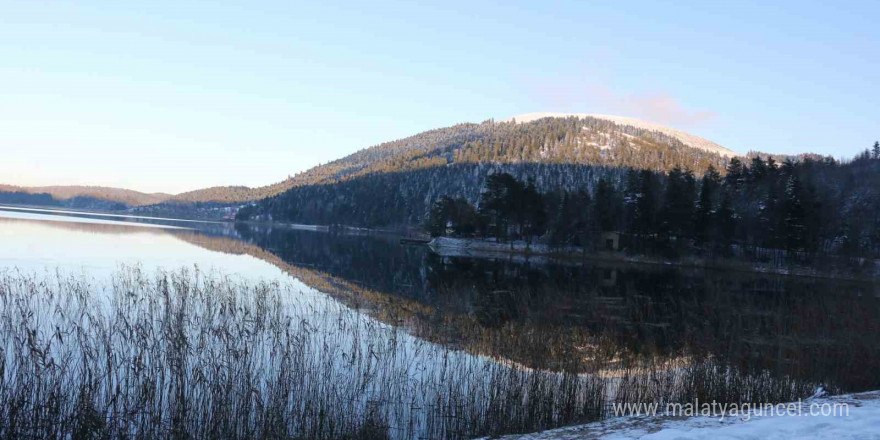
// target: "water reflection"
[[543, 314], [546, 315], [135, 351]]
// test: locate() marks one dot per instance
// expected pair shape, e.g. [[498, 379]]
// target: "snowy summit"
[[685, 138]]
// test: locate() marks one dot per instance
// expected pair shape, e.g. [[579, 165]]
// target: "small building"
[[609, 277], [609, 241]]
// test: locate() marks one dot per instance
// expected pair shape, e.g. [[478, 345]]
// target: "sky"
[[175, 96]]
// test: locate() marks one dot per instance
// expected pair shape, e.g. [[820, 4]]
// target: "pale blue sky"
[[174, 96]]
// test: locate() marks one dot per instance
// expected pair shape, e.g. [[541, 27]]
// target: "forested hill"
[[394, 184], [585, 140], [231, 194], [805, 206]]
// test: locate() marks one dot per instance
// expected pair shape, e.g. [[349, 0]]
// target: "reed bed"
[[192, 355], [187, 354]]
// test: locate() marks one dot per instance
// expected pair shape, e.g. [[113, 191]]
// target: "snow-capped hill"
[[685, 138]]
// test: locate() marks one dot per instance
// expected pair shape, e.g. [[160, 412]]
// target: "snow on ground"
[[466, 247], [685, 138], [861, 422]]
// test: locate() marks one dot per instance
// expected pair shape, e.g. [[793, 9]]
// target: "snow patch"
[[862, 421], [684, 137]]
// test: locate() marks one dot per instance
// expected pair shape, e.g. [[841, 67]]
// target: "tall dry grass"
[[193, 355], [185, 354]]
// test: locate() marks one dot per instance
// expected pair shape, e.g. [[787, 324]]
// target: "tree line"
[[805, 205], [404, 198]]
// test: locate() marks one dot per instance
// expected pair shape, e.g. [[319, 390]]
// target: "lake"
[[159, 327]]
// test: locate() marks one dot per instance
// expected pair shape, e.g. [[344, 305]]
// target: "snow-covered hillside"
[[859, 420], [685, 138]]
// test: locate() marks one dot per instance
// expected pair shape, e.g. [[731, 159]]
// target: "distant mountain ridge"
[[536, 138], [114, 195], [80, 194]]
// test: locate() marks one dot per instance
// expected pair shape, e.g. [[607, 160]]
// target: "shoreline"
[[855, 413], [517, 250], [474, 248]]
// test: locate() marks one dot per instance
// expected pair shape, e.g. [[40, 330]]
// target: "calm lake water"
[[533, 315]]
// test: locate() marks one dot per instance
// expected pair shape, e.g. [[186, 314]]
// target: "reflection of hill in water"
[[96, 228], [387, 308], [590, 317], [547, 315]]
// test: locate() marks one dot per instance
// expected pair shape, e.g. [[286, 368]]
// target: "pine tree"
[[499, 201], [686, 214], [606, 205], [794, 215], [560, 230], [758, 170], [772, 167], [876, 150], [463, 217], [646, 206], [760, 204], [571, 223], [631, 194], [735, 174], [726, 220], [439, 217], [787, 168], [582, 215], [814, 218], [638, 211], [679, 202], [534, 214], [705, 206]]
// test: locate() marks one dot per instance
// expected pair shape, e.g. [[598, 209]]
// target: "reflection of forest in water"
[[649, 333], [556, 316]]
